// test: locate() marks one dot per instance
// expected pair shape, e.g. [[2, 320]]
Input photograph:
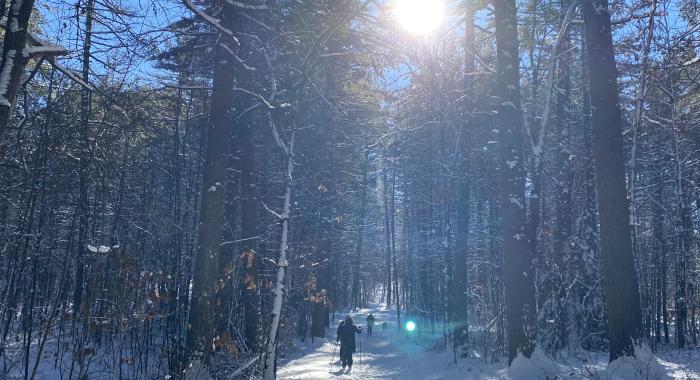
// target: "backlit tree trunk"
[[460, 285], [84, 171], [517, 249], [203, 311], [619, 276]]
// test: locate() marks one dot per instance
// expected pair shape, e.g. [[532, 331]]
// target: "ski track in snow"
[[390, 355]]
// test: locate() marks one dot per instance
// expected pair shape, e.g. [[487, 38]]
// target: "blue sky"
[[60, 27]]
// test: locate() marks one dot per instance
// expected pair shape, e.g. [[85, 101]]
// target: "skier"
[[346, 337], [370, 324]]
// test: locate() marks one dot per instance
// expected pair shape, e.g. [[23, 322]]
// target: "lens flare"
[[410, 326]]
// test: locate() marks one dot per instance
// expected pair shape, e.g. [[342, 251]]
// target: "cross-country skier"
[[370, 324], [346, 337]]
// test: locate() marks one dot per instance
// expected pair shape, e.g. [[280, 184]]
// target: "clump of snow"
[[644, 365], [14, 19], [43, 50], [215, 187], [539, 366], [99, 249], [509, 104], [692, 61], [196, 371], [5, 77]]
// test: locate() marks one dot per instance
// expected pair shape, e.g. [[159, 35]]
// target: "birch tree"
[[270, 354]]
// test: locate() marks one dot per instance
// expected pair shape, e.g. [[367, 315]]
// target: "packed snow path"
[[385, 355], [390, 355]]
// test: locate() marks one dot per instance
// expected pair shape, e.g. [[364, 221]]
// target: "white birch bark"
[[270, 358]]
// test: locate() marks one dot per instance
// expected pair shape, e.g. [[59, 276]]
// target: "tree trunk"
[[84, 171], [393, 243], [387, 235], [13, 59], [685, 246], [203, 311], [562, 229], [659, 260], [619, 276], [517, 249], [270, 357], [460, 281], [356, 302], [249, 228]]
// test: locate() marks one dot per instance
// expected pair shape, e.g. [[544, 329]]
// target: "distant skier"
[[370, 324], [346, 337]]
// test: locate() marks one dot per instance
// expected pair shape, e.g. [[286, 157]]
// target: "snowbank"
[[539, 366], [643, 366]]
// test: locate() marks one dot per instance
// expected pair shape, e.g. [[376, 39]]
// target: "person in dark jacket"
[[346, 336], [370, 324]]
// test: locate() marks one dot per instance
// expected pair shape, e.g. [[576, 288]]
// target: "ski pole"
[[330, 364], [360, 348]]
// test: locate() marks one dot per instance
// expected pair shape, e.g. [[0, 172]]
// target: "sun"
[[419, 16]]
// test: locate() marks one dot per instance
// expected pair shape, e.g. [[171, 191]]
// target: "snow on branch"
[[480, 61], [633, 17], [271, 211], [72, 75], [238, 241], [98, 249], [692, 61], [244, 367], [257, 96], [239, 59], [537, 147], [5, 77], [278, 139], [213, 21], [42, 45], [238, 4], [40, 49], [43, 51]]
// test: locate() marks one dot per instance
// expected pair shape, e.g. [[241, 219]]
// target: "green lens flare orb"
[[410, 325]]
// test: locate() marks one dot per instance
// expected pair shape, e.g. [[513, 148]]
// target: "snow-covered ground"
[[385, 355], [390, 355]]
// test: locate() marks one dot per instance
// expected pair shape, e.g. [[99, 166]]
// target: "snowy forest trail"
[[389, 354], [385, 355]]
